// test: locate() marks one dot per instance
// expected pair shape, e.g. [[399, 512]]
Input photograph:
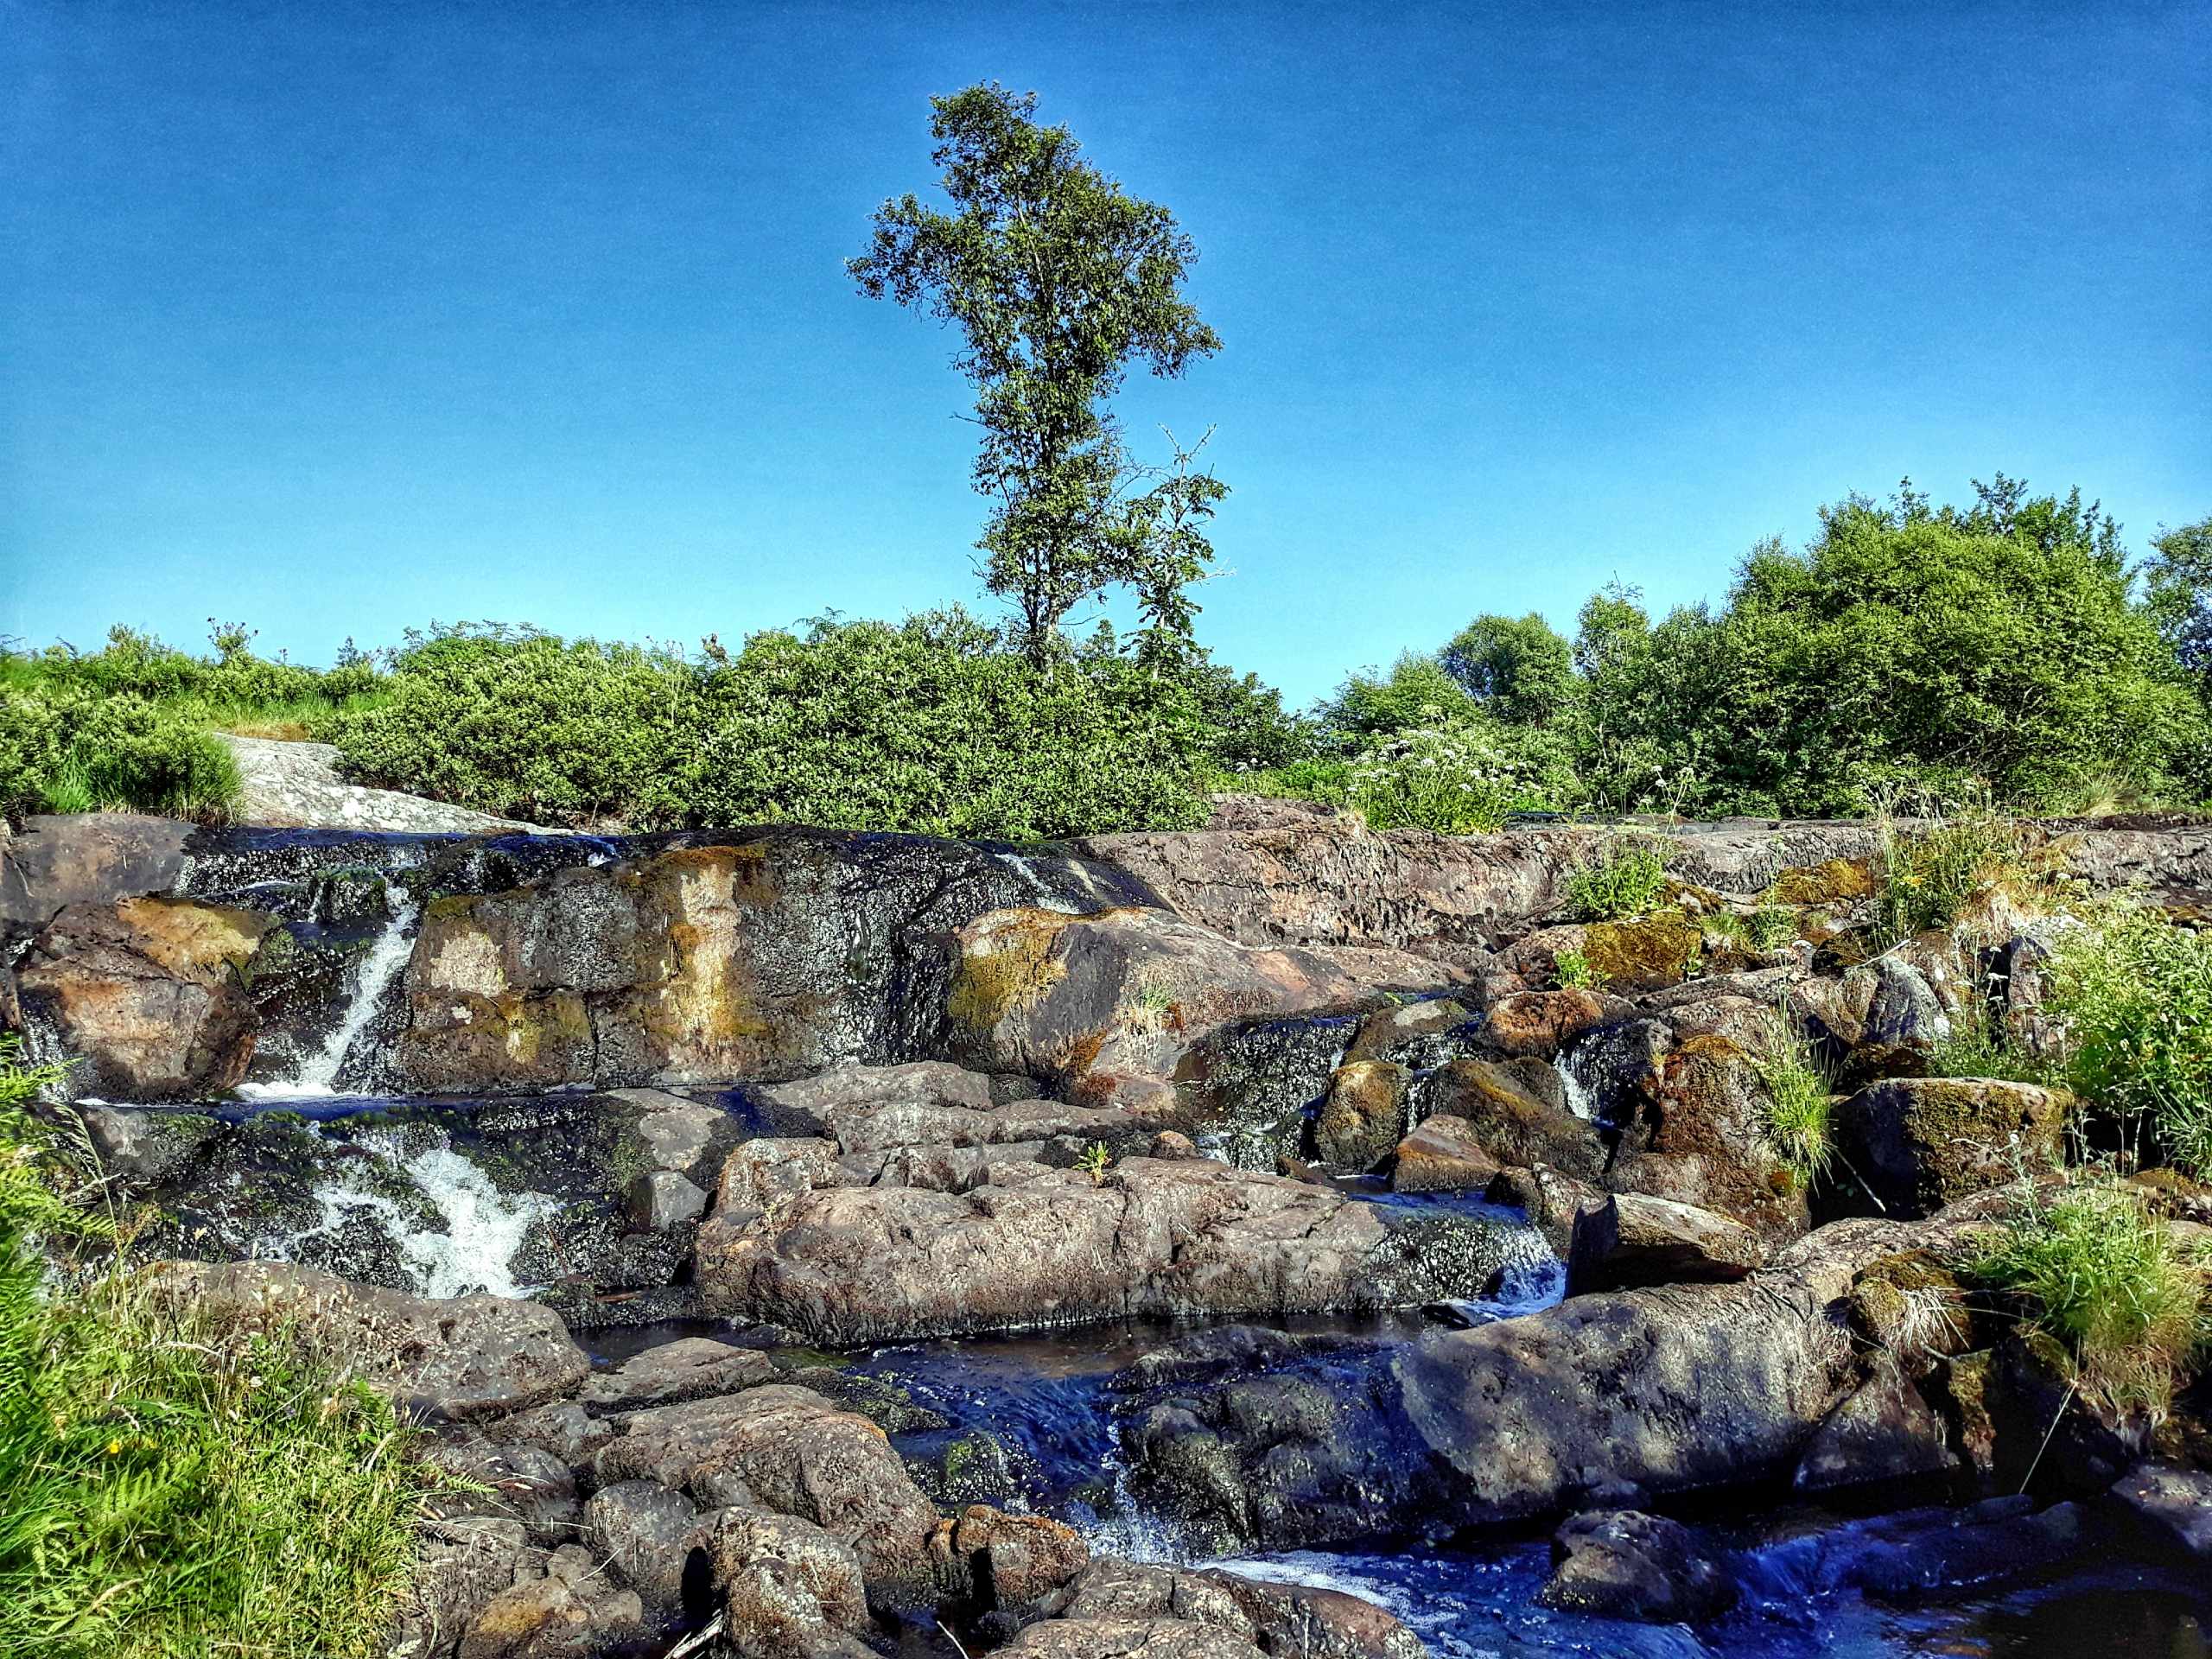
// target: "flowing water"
[[374, 975]]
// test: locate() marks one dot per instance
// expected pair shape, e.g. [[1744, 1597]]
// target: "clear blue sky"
[[333, 319]]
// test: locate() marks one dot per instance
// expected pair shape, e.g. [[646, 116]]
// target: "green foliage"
[[1978, 1046], [1769, 927], [1416, 693], [1800, 1104], [1625, 878], [934, 726], [1460, 779], [1572, 971], [132, 753], [1057, 279], [520, 723], [1520, 668], [2107, 1279], [169, 1489], [1926, 875], [2132, 994], [1326, 780]]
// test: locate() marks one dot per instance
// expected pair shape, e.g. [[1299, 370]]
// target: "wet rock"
[[1118, 994], [1149, 1239], [1277, 1618], [2171, 1505], [1922, 1552], [645, 1530], [993, 1562], [789, 1589], [1885, 1431], [1630, 1239], [1551, 1200], [1918, 1144], [94, 859], [670, 1373], [1363, 1116], [1250, 1088], [1444, 1154], [1543, 1023], [142, 1148], [147, 993], [796, 1453], [1415, 1034], [467, 1357], [1623, 1564], [1517, 1112], [572, 1612], [660, 1199]]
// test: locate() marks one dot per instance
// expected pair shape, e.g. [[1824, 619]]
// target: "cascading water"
[[372, 976]]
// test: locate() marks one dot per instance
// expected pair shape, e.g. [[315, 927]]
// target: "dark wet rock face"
[[1918, 1144], [1622, 1564]]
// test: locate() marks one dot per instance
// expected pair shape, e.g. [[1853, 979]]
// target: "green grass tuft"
[[1800, 1105], [1627, 878]]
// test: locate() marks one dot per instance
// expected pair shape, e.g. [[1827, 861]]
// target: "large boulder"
[[1149, 1238], [148, 992], [466, 1356], [1517, 1110], [789, 1588], [1918, 1144], [83, 858], [1630, 1240]]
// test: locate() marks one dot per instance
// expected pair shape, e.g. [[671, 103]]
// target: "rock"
[[1277, 1618], [1364, 1115], [670, 1373], [789, 1589], [1921, 1553], [1517, 1112], [2171, 1505], [92, 859], [1000, 1563], [142, 1148], [1127, 1638], [1651, 1392], [1444, 1154], [761, 1175], [467, 1356], [459, 1566], [295, 786], [815, 1106], [570, 1612], [795, 1453], [1885, 1431], [518, 1482], [644, 1530], [1630, 1239], [1150, 1239], [1550, 1199], [1543, 1023], [1918, 1144], [660, 1199], [147, 992], [1623, 1564], [1413, 1034], [1120, 993]]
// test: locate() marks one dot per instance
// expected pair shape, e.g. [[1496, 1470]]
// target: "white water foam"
[[484, 1227], [317, 1075], [1580, 1100], [1041, 890]]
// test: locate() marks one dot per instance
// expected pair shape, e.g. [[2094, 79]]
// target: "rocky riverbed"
[[1213, 1244]]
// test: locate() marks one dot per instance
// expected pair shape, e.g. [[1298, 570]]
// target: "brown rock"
[[1543, 1023], [790, 1589], [997, 1562], [1364, 1115], [1517, 1112], [1443, 1155], [1630, 1240]]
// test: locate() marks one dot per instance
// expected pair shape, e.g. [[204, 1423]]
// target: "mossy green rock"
[[1912, 1146]]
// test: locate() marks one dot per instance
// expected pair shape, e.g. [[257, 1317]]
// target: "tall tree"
[[1057, 279]]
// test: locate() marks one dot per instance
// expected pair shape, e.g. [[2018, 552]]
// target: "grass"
[[1572, 971], [1770, 926], [1977, 1046], [172, 1487], [1926, 877], [1800, 1104], [2107, 1279], [2132, 996], [1625, 879]]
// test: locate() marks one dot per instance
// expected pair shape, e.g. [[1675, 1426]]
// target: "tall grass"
[[1799, 1102], [2107, 1279], [172, 1487], [1927, 873], [1625, 878]]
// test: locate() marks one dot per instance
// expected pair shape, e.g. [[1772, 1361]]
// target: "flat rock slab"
[[297, 786], [2174, 1504]]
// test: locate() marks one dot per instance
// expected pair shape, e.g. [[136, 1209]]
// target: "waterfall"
[[372, 975]]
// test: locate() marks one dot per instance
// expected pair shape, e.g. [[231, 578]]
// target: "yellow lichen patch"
[[1643, 955], [456, 954], [1837, 880], [194, 941], [1006, 962]]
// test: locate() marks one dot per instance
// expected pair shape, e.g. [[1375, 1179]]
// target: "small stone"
[[660, 1199], [1442, 1155], [1624, 1563], [1630, 1240]]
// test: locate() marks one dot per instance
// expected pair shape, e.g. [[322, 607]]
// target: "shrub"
[[2133, 997], [1326, 781], [519, 723], [1627, 878], [1799, 1102], [934, 726], [128, 752], [1461, 780], [2107, 1279], [1417, 694], [31, 749]]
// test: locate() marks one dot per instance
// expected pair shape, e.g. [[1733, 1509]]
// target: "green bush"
[[522, 724], [130, 754], [1418, 694], [2107, 1280], [1625, 879], [2132, 994], [32, 747], [933, 725], [1461, 780]]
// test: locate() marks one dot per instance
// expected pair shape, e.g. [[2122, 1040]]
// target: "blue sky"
[[334, 319]]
